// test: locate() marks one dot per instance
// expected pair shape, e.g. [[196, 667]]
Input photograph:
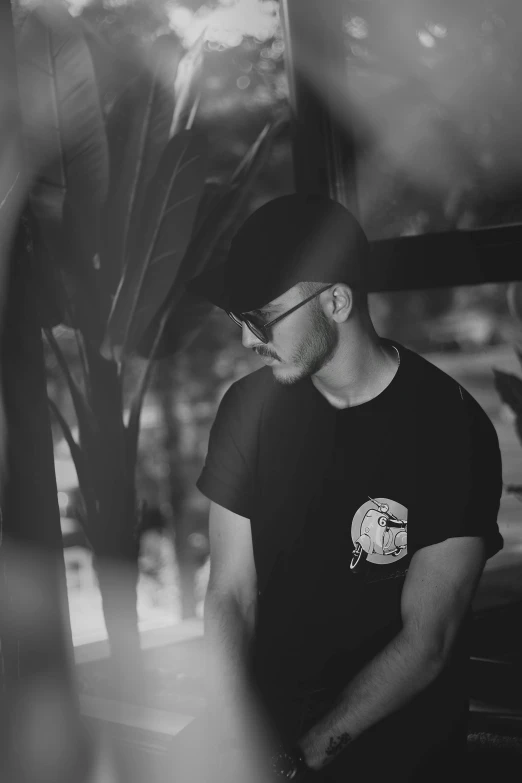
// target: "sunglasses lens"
[[256, 330]]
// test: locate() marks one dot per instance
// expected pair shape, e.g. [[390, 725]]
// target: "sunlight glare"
[[438, 30], [426, 39], [227, 23], [357, 27]]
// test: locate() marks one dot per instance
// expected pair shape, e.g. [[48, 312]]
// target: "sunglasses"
[[260, 329]]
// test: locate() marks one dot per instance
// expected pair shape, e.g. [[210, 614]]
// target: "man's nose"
[[247, 337]]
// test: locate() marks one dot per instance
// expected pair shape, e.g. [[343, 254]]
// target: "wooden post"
[[323, 146]]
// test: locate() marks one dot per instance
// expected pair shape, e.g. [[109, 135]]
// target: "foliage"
[[123, 212]]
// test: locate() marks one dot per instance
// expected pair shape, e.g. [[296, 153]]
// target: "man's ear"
[[341, 302]]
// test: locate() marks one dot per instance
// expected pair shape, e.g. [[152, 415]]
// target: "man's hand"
[[437, 593], [257, 759], [290, 764]]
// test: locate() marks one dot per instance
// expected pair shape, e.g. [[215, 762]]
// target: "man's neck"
[[359, 371]]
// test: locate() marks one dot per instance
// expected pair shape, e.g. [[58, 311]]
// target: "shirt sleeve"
[[226, 478], [459, 490]]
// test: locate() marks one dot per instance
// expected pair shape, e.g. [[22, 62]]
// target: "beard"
[[315, 350]]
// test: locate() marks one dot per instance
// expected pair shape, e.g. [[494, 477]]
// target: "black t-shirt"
[[339, 501]]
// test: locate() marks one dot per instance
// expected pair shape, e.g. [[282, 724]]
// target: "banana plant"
[[123, 212]]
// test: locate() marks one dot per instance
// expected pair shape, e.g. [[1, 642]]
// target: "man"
[[354, 493]]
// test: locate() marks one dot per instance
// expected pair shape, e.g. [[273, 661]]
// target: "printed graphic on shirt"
[[379, 533]]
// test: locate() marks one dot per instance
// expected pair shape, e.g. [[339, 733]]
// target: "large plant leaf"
[[185, 320], [212, 194], [47, 295], [188, 87], [115, 62], [84, 415], [166, 226], [138, 131], [63, 124], [182, 327], [80, 464], [133, 426], [245, 164], [88, 425], [66, 150], [223, 208], [209, 246]]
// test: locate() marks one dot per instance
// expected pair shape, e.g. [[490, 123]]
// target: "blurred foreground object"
[[121, 215], [408, 114], [11, 177], [42, 737]]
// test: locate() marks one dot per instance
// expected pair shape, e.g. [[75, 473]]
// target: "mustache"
[[265, 353]]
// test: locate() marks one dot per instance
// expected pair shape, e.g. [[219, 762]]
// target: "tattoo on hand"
[[337, 744]]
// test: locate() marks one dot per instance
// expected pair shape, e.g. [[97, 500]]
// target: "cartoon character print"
[[379, 533]]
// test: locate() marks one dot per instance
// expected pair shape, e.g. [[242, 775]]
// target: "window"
[[433, 89]]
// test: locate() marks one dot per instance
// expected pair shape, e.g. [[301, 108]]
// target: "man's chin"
[[287, 377]]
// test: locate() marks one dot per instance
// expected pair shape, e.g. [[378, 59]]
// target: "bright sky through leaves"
[[227, 22]]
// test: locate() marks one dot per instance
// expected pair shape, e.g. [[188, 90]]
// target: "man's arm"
[[438, 590], [230, 610], [230, 618]]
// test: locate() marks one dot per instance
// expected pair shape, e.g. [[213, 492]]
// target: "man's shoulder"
[[430, 381], [428, 373], [440, 394]]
